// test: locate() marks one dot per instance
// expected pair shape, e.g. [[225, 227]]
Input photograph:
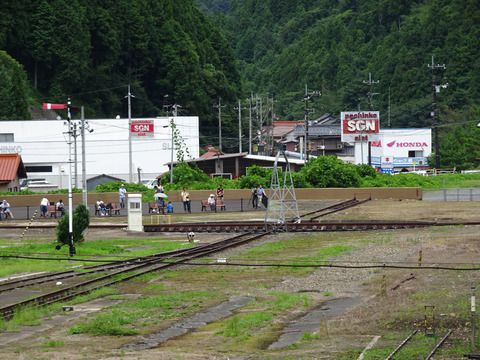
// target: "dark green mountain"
[[333, 45], [92, 49]]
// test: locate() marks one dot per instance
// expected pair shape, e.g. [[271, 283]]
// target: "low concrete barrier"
[[235, 194]]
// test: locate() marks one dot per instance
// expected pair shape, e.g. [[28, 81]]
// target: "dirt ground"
[[389, 302]]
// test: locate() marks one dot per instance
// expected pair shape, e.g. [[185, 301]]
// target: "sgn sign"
[[142, 129], [360, 125]]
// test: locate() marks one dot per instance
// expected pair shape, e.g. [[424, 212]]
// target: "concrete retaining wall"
[[302, 194]]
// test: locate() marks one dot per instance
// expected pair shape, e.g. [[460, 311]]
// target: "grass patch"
[[105, 291], [107, 250], [27, 316], [113, 323], [125, 319], [242, 327], [53, 344]]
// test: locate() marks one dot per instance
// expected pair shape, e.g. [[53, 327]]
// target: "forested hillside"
[[196, 51], [92, 49], [333, 45]]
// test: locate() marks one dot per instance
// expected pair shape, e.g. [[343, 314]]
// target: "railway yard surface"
[[288, 295]]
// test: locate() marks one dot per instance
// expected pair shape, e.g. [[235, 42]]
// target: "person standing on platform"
[[186, 201], [122, 194]]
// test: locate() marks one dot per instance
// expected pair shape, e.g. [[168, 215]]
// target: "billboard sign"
[[360, 125], [141, 129]]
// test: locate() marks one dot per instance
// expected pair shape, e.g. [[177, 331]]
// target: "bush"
[[115, 185], [81, 220], [250, 181], [328, 171], [185, 175], [365, 170]]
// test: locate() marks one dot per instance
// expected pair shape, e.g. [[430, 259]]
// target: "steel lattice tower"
[[282, 204]]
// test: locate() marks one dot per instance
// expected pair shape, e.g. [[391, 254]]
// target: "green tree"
[[81, 220], [13, 89]]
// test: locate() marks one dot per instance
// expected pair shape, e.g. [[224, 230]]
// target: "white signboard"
[[141, 129], [360, 125]]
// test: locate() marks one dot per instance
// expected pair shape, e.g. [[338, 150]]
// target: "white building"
[[397, 149], [44, 150]]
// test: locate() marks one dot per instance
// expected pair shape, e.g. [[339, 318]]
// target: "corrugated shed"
[[11, 166]]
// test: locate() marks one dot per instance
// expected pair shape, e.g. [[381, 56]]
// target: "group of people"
[[160, 197], [44, 203], [259, 197]]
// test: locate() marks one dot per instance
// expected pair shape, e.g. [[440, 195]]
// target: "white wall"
[[396, 143], [43, 142]]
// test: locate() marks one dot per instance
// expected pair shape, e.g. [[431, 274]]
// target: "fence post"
[[241, 204], [471, 194], [444, 194], [28, 212], [458, 194]]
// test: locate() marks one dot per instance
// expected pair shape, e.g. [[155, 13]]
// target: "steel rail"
[[105, 280], [339, 207], [401, 345], [439, 344], [293, 227], [326, 208], [43, 278]]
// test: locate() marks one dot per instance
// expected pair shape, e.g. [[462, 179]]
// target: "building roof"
[[318, 130], [106, 176], [211, 152], [11, 167], [282, 128], [272, 159]]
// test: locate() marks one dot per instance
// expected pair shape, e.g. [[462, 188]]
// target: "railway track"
[[304, 226], [332, 208], [432, 352], [111, 273]]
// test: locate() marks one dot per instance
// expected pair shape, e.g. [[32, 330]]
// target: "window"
[[415, 153], [134, 205], [6, 138], [38, 169]]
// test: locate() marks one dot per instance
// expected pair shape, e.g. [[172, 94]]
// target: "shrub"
[[365, 170], [81, 220], [115, 185], [250, 181], [328, 171]]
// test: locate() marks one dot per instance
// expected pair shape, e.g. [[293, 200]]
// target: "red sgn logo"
[[360, 126]]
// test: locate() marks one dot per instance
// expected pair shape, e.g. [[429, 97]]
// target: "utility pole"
[[75, 135], [250, 125], [389, 108], [239, 108], [435, 113], [219, 107], [84, 170], [70, 196], [130, 165], [370, 95], [306, 97], [172, 127]]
